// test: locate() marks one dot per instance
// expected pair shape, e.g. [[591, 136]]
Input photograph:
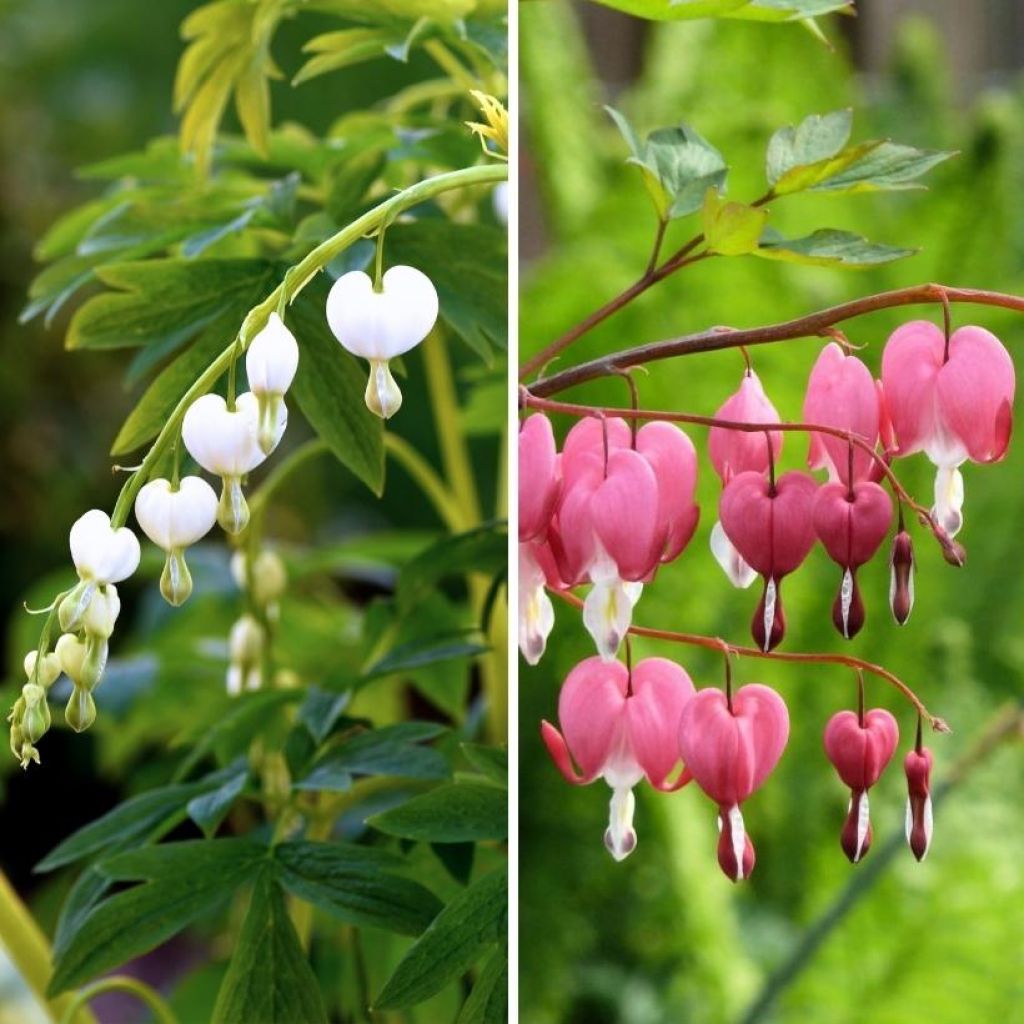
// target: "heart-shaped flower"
[[621, 727], [851, 523], [730, 746], [102, 554], [860, 747], [539, 477], [270, 364], [772, 527]]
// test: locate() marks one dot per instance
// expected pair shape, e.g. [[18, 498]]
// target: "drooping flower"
[[102, 555], [380, 325], [918, 768], [772, 527], [952, 402], [270, 364], [851, 522], [860, 747], [841, 393], [739, 451], [245, 650], [621, 727], [730, 746], [225, 442], [174, 518], [264, 575], [901, 576]]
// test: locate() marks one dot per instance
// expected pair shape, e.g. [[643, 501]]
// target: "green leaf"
[[418, 653], [488, 1002], [815, 139], [455, 813], [185, 881], [161, 301], [887, 166], [678, 165], [489, 761], [468, 265], [320, 710], [269, 979], [472, 921], [350, 182], [483, 549], [209, 809], [676, 10], [731, 229], [336, 50], [791, 10], [390, 750], [357, 884], [329, 387], [828, 247]]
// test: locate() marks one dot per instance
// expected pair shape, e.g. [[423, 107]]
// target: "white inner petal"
[[738, 836], [607, 613], [770, 594], [863, 824], [846, 600], [949, 499], [620, 838], [735, 568]]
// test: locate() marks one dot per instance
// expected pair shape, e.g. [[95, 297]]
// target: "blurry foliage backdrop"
[[664, 938]]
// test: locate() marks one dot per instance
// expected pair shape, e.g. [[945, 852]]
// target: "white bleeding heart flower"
[[245, 646], [173, 518], [226, 442], [380, 325], [270, 365]]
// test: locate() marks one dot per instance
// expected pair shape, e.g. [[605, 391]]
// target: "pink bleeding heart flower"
[[860, 747], [739, 451], [901, 576], [851, 523], [952, 402], [621, 727], [538, 477], [841, 393], [670, 453], [918, 768], [772, 527], [730, 746]]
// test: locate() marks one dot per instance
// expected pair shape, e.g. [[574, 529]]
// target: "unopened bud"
[[80, 712], [383, 395], [71, 652], [35, 722], [44, 672], [264, 576], [901, 577], [245, 645], [918, 768], [176, 580], [232, 509]]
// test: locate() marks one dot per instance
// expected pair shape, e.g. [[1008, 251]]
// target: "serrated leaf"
[[357, 884], [269, 979], [468, 265], [885, 167], [815, 139], [456, 813], [185, 882], [329, 387], [161, 301], [488, 1001], [472, 921], [731, 229], [828, 247], [389, 750]]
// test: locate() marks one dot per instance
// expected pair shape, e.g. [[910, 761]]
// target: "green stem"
[[294, 281], [27, 947], [122, 983], [426, 478], [450, 64]]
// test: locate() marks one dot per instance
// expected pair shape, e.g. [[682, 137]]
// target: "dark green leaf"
[[417, 653], [457, 859], [329, 390], [474, 920], [489, 761], [269, 979], [187, 881], [89, 888], [827, 248], [350, 182], [209, 810], [488, 1002], [320, 710], [455, 813], [357, 884]]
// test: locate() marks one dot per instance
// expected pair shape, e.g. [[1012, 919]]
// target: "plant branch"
[[162, 1013], [717, 338], [717, 644]]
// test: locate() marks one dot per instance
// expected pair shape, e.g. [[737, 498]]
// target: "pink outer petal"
[[625, 514], [538, 477], [661, 689], [975, 393], [735, 451], [861, 754], [571, 536], [886, 431], [852, 531], [671, 455], [773, 534], [591, 710], [910, 368], [841, 393], [730, 754], [587, 438]]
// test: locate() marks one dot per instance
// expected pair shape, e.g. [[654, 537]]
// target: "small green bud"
[[383, 396], [81, 710], [71, 652], [36, 720], [232, 509], [176, 580], [74, 606]]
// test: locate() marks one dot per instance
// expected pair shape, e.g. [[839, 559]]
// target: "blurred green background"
[[664, 938]]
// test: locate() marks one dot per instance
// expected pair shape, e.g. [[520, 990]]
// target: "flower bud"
[[80, 712], [102, 613], [918, 768], [901, 577], [270, 365], [35, 720], [71, 652], [267, 578], [245, 647], [232, 508], [175, 580], [102, 554], [48, 668]]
